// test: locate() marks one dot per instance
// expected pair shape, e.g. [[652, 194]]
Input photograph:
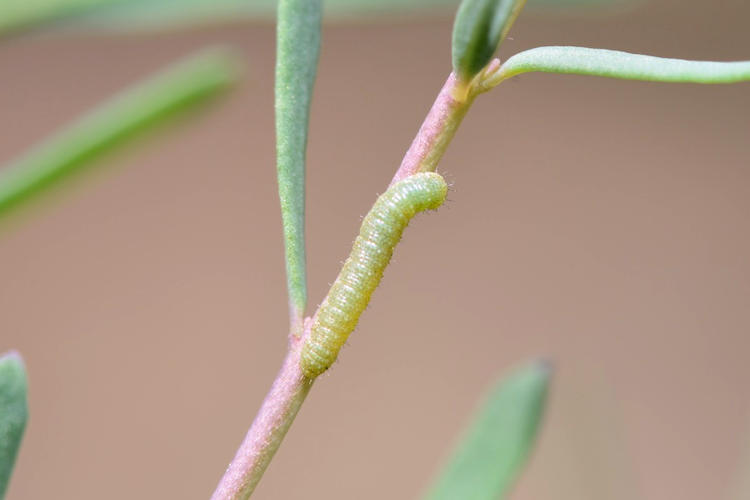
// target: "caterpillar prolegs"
[[380, 232]]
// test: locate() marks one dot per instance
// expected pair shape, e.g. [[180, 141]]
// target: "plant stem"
[[290, 388], [271, 424], [437, 130]]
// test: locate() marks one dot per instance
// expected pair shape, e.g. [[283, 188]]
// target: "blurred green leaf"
[[20, 14], [492, 453], [156, 14], [13, 413], [479, 28], [176, 88], [298, 46]]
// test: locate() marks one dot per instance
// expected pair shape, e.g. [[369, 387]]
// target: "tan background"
[[603, 224]]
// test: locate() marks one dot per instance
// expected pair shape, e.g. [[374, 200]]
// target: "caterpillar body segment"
[[349, 295]]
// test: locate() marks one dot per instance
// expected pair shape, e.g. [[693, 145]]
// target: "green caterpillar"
[[380, 232]]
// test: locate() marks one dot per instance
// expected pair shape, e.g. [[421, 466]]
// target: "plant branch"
[[616, 64], [437, 130], [271, 424], [291, 387], [451, 105]]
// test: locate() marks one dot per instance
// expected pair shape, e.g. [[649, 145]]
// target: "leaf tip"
[[479, 28], [545, 366], [12, 355], [14, 412], [13, 360]]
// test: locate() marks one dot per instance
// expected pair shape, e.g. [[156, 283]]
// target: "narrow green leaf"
[[13, 413], [19, 14], [179, 87], [298, 46], [479, 28], [492, 453], [616, 64]]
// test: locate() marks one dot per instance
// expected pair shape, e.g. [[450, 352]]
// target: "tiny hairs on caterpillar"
[[380, 232]]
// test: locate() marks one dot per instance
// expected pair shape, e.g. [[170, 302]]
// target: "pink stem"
[[437, 130], [268, 430], [291, 387]]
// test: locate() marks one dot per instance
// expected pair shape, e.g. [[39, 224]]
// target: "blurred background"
[[599, 223]]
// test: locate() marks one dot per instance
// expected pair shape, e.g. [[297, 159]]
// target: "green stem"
[[616, 64]]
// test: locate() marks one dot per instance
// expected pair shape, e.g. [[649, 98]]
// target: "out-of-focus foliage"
[[13, 413], [498, 442], [174, 89], [155, 14]]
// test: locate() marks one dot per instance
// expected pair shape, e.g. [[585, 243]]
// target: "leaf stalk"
[[618, 64]]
